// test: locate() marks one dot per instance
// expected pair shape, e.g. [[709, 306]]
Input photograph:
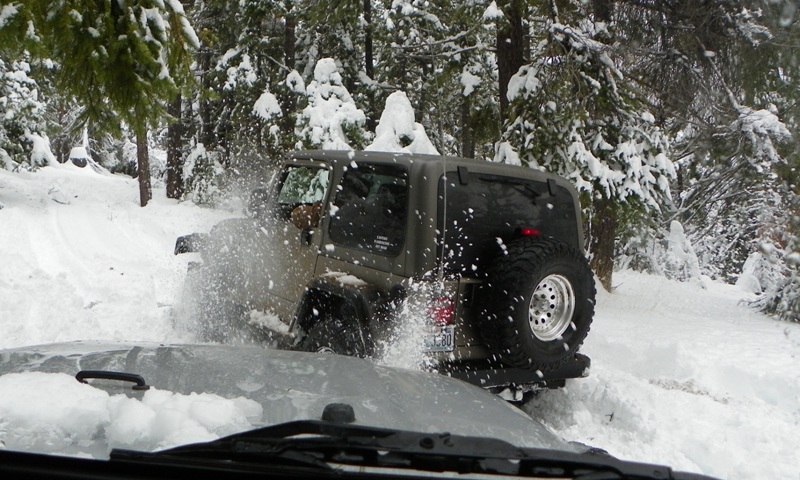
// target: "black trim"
[[487, 375]]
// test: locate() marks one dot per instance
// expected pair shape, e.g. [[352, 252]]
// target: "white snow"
[[330, 110], [685, 377], [469, 81], [267, 106], [680, 375], [397, 131], [40, 152], [94, 265], [268, 320], [492, 12], [160, 419], [7, 13]]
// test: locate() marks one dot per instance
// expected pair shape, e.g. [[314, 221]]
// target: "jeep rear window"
[[370, 209], [489, 207]]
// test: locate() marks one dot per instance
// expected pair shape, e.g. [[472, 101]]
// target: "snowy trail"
[[686, 377], [99, 267], [681, 375]]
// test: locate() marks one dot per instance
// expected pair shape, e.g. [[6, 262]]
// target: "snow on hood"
[[202, 392]]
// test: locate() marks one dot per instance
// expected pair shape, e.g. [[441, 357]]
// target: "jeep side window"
[[371, 208], [301, 195], [304, 185]]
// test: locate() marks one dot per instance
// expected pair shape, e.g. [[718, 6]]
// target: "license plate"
[[441, 339]]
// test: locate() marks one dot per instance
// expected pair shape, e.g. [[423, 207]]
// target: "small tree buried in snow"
[[680, 262], [202, 174], [398, 132], [331, 120]]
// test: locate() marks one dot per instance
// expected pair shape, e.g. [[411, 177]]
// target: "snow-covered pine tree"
[[121, 60], [572, 113], [721, 85], [22, 109], [331, 119], [248, 52]]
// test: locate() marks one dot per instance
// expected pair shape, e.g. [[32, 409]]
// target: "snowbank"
[[685, 377], [79, 259]]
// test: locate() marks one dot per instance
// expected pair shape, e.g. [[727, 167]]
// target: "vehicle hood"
[[287, 385]]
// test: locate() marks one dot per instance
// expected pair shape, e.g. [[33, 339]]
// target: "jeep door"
[[292, 234]]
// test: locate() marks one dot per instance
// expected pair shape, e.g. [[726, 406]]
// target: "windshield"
[[571, 224]]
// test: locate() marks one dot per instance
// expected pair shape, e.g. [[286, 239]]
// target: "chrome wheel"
[[551, 307]]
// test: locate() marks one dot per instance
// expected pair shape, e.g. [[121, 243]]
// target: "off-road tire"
[[537, 303], [334, 335]]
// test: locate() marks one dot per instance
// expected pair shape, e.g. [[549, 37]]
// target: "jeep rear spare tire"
[[537, 303]]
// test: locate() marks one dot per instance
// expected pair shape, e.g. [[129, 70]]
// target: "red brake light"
[[441, 311], [528, 232]]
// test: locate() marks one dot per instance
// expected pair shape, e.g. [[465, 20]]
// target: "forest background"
[[677, 120]]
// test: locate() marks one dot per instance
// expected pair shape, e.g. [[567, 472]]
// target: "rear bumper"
[[486, 375]]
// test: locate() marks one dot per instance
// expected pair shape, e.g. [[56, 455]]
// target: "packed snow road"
[[682, 374]]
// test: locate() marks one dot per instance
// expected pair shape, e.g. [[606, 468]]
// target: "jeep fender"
[[330, 295]]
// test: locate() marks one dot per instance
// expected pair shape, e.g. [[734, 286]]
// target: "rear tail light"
[[528, 232], [441, 311]]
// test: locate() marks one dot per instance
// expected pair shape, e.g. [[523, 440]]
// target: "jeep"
[[340, 244]]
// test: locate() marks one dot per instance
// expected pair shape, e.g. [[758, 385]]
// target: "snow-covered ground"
[[687, 377], [681, 375]]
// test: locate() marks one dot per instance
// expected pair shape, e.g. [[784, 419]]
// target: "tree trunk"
[[467, 139], [510, 50], [289, 102], [602, 10], [142, 156], [174, 157], [368, 61], [603, 231]]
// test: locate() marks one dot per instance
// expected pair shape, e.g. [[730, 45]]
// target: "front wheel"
[[537, 303], [335, 335]]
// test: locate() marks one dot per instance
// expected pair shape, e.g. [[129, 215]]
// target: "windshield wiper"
[[327, 446]]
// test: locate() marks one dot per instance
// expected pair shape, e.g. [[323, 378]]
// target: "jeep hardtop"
[[485, 259]]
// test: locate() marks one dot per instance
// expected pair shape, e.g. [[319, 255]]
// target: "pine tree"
[[21, 111], [331, 119], [573, 113], [121, 61]]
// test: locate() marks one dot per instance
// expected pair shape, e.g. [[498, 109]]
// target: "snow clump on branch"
[[331, 120], [398, 132]]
